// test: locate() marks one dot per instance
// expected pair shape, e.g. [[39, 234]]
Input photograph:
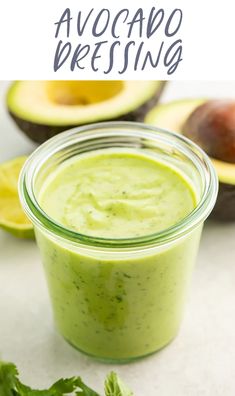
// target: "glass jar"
[[118, 299]]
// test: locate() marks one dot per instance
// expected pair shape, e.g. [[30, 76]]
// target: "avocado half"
[[42, 109], [172, 116]]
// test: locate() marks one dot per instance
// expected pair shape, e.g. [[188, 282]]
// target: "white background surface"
[[200, 362]]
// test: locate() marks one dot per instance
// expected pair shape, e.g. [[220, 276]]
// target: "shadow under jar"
[[122, 298]]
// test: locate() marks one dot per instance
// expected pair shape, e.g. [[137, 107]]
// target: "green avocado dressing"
[[117, 195], [108, 305]]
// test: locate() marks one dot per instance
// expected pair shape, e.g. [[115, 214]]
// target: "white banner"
[[172, 40]]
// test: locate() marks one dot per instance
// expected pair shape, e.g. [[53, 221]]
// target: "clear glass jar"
[[118, 299]]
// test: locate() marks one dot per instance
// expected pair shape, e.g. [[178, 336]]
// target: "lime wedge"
[[12, 217]]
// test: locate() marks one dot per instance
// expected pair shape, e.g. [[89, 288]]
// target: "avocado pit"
[[212, 127]]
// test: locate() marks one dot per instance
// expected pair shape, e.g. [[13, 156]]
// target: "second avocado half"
[[173, 116]]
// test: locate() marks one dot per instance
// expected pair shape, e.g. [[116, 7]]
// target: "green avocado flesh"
[[173, 115], [117, 195]]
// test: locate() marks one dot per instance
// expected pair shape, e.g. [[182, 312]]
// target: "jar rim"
[[134, 130]]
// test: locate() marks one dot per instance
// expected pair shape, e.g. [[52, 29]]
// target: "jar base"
[[108, 360]]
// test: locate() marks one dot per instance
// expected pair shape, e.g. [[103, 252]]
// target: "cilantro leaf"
[[72, 384], [8, 375], [10, 385], [115, 387]]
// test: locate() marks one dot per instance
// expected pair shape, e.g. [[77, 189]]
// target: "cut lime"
[[12, 217]]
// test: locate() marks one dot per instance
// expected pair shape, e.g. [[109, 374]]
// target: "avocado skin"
[[224, 209], [39, 133]]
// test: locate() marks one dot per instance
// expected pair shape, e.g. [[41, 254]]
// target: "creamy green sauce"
[[117, 307], [117, 194]]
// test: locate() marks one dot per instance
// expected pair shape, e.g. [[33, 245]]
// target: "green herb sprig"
[[10, 385]]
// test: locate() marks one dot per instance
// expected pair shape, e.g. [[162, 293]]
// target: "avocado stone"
[[42, 109], [172, 116]]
